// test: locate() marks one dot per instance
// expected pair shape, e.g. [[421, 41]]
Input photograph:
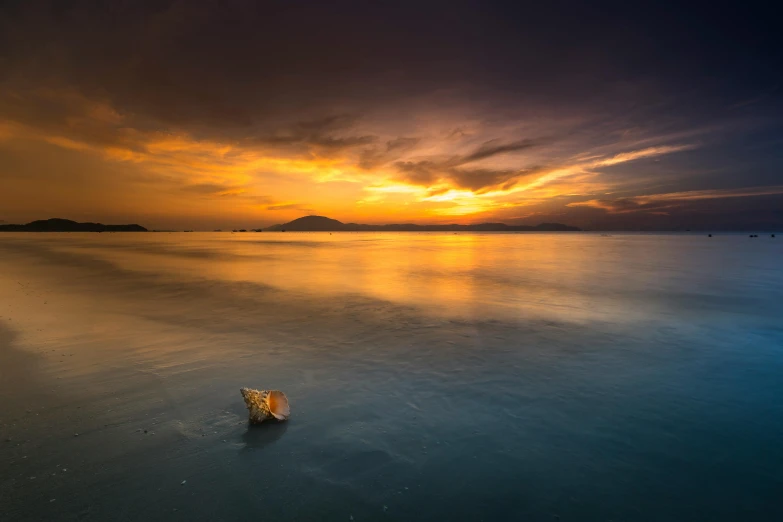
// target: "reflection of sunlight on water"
[[462, 274], [575, 276]]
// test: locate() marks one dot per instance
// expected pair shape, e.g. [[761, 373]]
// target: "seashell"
[[265, 404]]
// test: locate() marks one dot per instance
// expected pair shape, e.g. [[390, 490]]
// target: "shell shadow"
[[259, 436]]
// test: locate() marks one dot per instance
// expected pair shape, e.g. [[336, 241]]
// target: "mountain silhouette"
[[310, 224], [325, 224], [66, 225]]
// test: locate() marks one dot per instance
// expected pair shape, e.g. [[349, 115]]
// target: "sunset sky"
[[242, 114]]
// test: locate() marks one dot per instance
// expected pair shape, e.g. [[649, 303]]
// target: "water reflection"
[[578, 277], [437, 374]]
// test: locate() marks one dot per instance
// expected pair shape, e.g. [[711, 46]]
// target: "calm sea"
[[454, 377]]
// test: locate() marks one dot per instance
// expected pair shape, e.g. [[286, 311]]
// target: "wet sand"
[[120, 377]]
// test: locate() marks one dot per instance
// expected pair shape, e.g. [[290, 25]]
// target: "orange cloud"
[[432, 174], [578, 179]]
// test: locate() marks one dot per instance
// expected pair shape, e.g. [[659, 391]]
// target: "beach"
[[432, 376]]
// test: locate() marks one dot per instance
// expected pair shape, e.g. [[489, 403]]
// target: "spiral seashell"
[[265, 404]]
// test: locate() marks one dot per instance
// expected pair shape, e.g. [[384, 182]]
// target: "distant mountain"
[[325, 224], [66, 225], [310, 224]]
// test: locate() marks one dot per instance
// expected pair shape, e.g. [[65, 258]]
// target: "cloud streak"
[[663, 201]]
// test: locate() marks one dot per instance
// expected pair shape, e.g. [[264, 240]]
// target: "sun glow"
[[414, 179]]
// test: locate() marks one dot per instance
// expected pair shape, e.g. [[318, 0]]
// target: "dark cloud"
[[50, 113], [229, 66], [317, 140], [456, 134], [495, 147], [423, 173], [482, 180], [331, 142], [452, 170], [374, 157], [401, 143], [332, 132], [428, 173], [492, 148], [326, 124]]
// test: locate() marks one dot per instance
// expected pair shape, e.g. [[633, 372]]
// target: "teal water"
[[432, 376]]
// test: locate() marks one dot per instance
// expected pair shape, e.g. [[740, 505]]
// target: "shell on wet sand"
[[265, 404]]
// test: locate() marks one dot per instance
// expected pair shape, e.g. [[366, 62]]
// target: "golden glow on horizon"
[[185, 175]]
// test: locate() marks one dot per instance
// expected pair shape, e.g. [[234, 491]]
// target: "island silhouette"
[[325, 224], [66, 225], [302, 224]]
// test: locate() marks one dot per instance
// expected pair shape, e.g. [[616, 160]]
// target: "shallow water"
[[432, 376]]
